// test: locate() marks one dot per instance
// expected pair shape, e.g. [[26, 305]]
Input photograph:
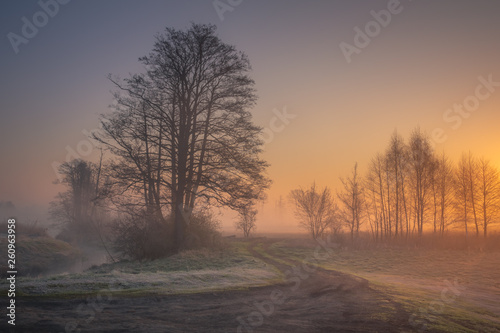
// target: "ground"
[[272, 285]]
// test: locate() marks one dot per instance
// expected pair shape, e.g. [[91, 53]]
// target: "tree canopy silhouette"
[[182, 131]]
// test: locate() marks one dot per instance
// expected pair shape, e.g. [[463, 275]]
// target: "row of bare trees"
[[407, 189], [410, 186]]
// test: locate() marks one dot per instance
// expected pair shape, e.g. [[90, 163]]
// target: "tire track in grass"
[[352, 302]]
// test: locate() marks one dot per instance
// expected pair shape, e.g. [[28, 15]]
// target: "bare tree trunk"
[[471, 165]]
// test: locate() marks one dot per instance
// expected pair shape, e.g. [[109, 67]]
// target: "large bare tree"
[[182, 131]]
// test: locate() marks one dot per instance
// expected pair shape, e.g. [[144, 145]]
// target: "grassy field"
[[444, 290], [187, 272], [440, 290]]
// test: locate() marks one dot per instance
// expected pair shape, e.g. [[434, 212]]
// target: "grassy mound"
[[38, 255], [188, 272]]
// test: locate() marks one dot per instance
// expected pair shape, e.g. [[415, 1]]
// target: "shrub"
[[143, 237], [203, 231]]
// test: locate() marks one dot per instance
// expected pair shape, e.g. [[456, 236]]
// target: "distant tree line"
[[410, 187]]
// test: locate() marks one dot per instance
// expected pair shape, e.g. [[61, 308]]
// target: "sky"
[[339, 76]]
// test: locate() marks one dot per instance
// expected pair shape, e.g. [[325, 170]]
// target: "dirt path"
[[312, 300]]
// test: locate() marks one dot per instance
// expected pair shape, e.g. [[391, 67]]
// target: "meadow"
[[363, 287]]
